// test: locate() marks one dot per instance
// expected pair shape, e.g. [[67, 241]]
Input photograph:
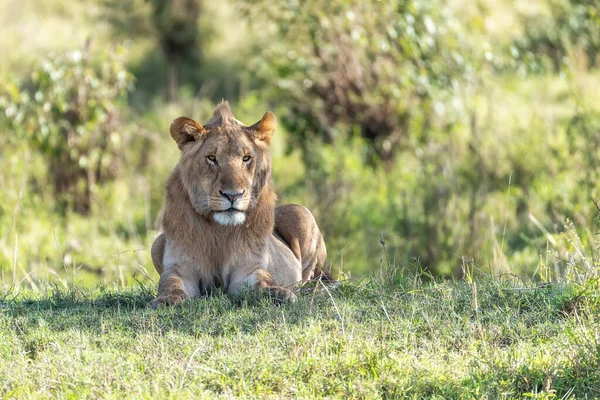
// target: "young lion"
[[220, 224]]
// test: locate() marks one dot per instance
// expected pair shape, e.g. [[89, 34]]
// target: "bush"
[[69, 111], [377, 69], [573, 26]]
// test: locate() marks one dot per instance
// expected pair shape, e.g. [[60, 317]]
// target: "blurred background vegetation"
[[462, 134]]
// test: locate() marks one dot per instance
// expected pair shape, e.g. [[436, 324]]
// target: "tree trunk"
[[172, 77]]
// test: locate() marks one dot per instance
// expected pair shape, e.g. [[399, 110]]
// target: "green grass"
[[396, 337]]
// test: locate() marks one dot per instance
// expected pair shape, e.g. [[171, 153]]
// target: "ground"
[[384, 336]]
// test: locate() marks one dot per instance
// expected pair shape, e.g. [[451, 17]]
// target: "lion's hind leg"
[[296, 226], [157, 252]]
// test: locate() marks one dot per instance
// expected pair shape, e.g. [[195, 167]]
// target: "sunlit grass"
[[394, 336]]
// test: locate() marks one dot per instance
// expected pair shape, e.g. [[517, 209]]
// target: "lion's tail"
[[320, 274]]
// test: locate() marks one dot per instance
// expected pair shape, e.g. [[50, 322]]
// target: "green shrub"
[[572, 26], [377, 69], [69, 111]]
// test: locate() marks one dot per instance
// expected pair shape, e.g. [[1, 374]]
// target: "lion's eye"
[[246, 158], [212, 159]]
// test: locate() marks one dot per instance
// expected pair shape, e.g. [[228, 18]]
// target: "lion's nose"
[[231, 195]]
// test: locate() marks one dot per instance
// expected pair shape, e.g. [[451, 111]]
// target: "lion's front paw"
[[169, 299]]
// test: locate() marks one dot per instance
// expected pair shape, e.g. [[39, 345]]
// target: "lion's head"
[[225, 165]]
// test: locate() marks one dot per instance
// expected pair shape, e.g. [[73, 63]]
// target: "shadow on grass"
[[128, 310], [103, 310]]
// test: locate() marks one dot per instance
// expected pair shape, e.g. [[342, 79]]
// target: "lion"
[[220, 224]]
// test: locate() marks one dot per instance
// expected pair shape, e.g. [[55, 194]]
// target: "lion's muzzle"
[[231, 208], [232, 196]]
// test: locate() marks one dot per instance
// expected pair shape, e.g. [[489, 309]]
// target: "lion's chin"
[[229, 217]]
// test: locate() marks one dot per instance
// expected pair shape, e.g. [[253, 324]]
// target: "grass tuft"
[[394, 335]]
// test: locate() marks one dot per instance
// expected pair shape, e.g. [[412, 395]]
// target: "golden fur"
[[220, 225]]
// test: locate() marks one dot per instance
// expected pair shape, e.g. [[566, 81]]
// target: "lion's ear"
[[265, 127], [184, 130]]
